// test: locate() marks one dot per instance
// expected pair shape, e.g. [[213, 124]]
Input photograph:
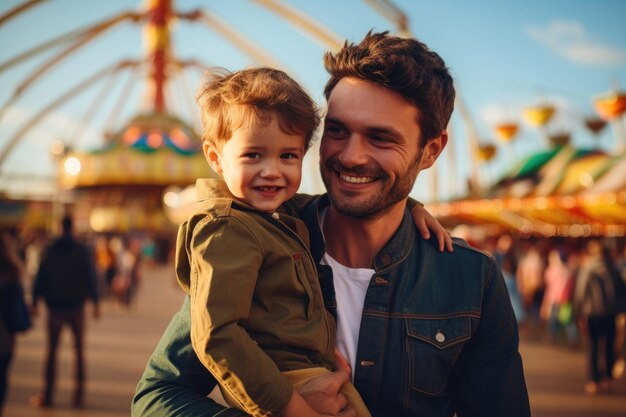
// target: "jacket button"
[[440, 337], [385, 259], [367, 363], [380, 281]]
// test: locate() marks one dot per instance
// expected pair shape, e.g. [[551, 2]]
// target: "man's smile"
[[356, 179]]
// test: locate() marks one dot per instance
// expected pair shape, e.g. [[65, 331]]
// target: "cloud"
[[571, 41]]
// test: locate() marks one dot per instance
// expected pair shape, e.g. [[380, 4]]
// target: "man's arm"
[[489, 380], [174, 381]]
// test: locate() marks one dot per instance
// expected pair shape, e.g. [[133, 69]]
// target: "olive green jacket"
[[256, 303]]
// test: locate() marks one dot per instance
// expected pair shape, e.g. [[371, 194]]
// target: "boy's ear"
[[212, 156]]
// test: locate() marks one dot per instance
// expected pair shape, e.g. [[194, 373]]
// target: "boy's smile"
[[261, 164]]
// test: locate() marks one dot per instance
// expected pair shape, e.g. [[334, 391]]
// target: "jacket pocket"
[[433, 346], [304, 280]]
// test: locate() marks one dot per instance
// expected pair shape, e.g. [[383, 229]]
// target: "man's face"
[[370, 153]]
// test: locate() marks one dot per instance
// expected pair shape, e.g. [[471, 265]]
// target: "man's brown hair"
[[405, 66], [229, 101]]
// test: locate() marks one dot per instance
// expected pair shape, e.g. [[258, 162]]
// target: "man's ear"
[[212, 156], [433, 149]]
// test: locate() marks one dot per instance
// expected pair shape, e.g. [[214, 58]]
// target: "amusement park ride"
[[121, 186]]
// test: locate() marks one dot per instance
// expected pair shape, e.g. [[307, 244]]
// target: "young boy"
[[258, 321]]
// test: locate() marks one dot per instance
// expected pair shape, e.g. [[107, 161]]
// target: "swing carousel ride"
[[133, 180], [560, 191], [139, 175]]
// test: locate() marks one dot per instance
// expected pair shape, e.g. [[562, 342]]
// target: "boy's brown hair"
[[405, 66], [229, 101]]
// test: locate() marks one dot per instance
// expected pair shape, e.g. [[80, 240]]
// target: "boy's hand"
[[424, 221]]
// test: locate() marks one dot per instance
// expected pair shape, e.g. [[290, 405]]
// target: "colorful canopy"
[[152, 150], [563, 192]]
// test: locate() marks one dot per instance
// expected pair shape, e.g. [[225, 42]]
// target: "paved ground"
[[119, 344]]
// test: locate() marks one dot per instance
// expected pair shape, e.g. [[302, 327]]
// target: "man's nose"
[[354, 152]]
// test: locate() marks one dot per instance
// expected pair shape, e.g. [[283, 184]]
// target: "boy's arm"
[[424, 221], [226, 261], [174, 381]]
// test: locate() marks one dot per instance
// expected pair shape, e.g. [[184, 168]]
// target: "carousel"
[[141, 176]]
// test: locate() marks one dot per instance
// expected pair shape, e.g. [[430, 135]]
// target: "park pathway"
[[119, 344]]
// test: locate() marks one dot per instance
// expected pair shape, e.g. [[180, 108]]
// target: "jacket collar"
[[393, 252]]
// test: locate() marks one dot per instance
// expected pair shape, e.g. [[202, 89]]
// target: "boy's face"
[[261, 164]]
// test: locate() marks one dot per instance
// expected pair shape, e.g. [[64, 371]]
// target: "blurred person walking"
[[505, 258], [556, 296], [105, 264], [620, 346], [529, 276], [597, 295], [13, 311], [65, 280], [128, 271]]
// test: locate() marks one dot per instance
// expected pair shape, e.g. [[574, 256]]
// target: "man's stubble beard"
[[377, 205]]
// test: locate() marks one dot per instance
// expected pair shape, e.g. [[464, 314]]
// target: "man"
[[599, 296], [65, 280], [426, 333]]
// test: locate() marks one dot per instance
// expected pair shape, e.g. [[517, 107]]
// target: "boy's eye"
[[252, 155], [288, 155]]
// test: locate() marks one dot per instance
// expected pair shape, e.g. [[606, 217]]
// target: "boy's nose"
[[270, 169]]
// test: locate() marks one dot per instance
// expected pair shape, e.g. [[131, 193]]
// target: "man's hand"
[[342, 362], [322, 394], [424, 221]]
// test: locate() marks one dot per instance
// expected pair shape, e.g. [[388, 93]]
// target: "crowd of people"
[[65, 272], [570, 291]]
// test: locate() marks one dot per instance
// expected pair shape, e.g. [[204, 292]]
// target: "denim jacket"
[[438, 337], [438, 334]]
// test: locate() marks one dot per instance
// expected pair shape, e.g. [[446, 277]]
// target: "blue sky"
[[504, 55]]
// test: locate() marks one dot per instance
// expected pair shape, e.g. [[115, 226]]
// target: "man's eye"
[[252, 155], [334, 131], [288, 155], [380, 139]]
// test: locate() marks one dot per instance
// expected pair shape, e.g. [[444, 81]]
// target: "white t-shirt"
[[350, 288]]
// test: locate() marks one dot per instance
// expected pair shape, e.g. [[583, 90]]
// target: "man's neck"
[[354, 242]]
